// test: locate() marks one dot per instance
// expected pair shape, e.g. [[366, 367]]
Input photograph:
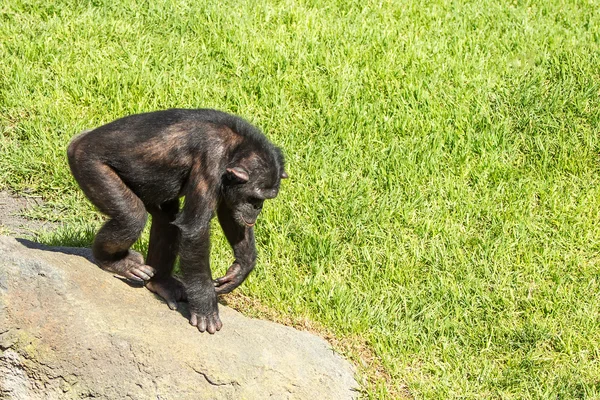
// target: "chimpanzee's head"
[[251, 179]]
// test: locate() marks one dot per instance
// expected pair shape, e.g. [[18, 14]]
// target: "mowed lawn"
[[441, 222]]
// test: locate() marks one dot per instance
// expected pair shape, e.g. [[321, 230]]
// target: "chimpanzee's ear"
[[238, 174], [284, 175]]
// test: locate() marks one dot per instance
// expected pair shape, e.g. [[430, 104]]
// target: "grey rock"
[[69, 330]]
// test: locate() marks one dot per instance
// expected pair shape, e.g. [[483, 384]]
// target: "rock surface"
[[71, 330]]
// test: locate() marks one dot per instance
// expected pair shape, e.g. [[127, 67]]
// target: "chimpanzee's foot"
[[131, 267], [170, 289], [135, 256]]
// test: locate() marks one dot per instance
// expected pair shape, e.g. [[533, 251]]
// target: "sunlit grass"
[[444, 197]]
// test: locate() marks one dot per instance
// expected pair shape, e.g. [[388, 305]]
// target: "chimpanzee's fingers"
[[201, 324], [206, 323], [224, 279], [218, 281], [226, 288], [230, 281], [221, 280], [214, 324]]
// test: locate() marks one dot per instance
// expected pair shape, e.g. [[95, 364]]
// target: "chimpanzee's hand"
[[233, 278], [204, 311], [209, 323]]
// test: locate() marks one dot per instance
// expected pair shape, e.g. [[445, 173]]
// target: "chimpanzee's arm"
[[241, 239], [194, 223]]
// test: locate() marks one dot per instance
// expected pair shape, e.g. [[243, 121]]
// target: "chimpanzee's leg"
[[127, 214], [162, 252]]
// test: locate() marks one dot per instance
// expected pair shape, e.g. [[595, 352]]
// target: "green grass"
[[444, 199]]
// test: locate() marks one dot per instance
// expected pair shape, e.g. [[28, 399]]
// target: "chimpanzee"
[[143, 164]]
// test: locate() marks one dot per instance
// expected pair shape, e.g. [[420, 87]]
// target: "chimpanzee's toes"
[[143, 272], [135, 257], [133, 277], [170, 289], [129, 269]]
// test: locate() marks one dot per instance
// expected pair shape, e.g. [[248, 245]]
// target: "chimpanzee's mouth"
[[247, 224]]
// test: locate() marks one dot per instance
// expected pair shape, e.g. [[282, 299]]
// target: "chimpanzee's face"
[[246, 188]]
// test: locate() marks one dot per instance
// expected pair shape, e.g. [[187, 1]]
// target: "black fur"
[[144, 163]]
